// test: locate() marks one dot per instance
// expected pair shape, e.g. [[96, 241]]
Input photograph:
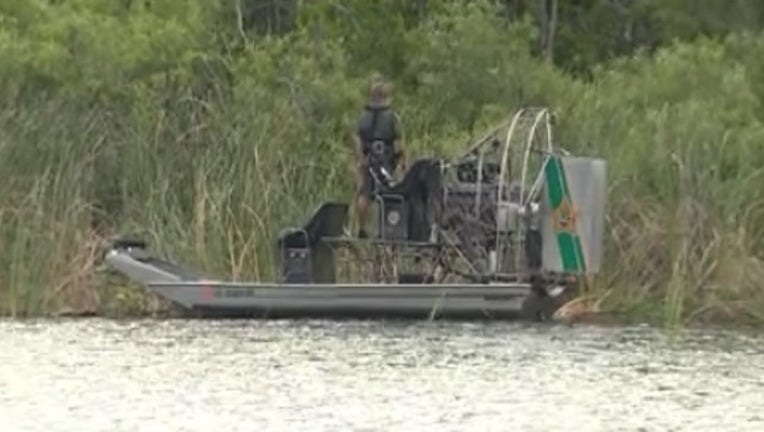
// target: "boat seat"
[[303, 258], [393, 216], [406, 209], [327, 220]]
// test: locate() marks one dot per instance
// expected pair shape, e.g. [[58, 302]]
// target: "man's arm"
[[399, 145], [357, 142], [358, 152], [357, 148]]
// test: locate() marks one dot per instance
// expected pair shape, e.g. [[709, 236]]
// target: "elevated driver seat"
[[407, 209]]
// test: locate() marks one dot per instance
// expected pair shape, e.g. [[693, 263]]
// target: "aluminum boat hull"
[[202, 297]]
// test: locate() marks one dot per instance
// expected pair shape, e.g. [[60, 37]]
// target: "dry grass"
[[75, 264]]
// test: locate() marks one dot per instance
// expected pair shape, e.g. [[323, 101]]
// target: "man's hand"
[[401, 160]]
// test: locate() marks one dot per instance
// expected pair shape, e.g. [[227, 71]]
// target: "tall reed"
[[208, 166]]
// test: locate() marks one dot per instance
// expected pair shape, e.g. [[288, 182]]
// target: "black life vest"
[[378, 136]]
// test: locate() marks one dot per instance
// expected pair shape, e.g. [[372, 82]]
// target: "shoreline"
[[208, 152], [604, 319]]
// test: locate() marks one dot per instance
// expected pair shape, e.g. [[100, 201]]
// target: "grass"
[[672, 259], [210, 180], [214, 197]]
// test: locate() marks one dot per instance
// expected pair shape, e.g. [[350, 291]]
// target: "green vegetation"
[[206, 125]]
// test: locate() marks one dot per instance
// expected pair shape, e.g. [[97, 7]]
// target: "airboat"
[[509, 229]]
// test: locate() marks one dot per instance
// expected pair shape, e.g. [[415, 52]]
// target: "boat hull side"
[[355, 301], [212, 298]]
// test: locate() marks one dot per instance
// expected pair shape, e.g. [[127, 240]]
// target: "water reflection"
[[177, 375]]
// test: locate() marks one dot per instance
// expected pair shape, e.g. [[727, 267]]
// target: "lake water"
[[178, 375]]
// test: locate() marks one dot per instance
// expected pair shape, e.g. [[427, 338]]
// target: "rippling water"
[[101, 375]]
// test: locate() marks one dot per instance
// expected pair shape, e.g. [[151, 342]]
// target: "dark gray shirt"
[[378, 123]]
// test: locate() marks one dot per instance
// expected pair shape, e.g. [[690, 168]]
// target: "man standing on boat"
[[378, 149]]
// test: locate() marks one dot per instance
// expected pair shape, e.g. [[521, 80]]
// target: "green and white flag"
[[573, 214]]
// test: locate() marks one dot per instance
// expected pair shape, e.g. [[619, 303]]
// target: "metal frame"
[[499, 252]]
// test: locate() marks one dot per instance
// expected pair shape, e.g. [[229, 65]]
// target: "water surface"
[[179, 375]]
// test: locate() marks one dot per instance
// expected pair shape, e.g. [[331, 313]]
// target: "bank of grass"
[[208, 167]]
